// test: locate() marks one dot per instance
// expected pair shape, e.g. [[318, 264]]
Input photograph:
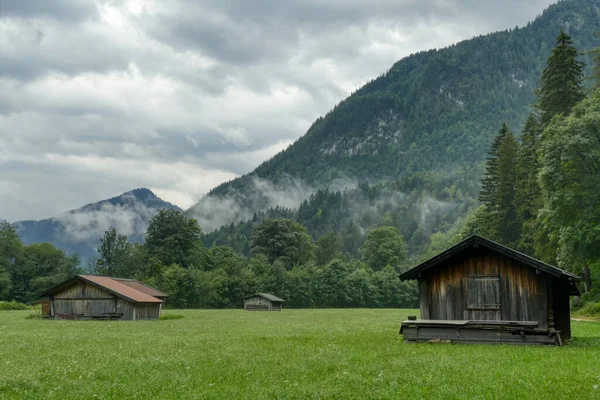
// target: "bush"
[[34, 315], [171, 316], [590, 310], [14, 305]]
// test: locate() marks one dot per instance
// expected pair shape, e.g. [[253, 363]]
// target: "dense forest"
[[537, 192], [435, 111]]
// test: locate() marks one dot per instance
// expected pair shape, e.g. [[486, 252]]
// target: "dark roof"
[[109, 284], [481, 241], [142, 287], [267, 296]]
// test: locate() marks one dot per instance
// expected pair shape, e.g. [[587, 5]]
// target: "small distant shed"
[[479, 291], [263, 302], [101, 297]]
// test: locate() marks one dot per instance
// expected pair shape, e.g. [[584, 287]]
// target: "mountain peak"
[[140, 194], [79, 230]]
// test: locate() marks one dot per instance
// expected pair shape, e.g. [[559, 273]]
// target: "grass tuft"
[[171, 316]]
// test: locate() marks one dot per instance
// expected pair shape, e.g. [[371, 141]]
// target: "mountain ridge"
[[434, 111], [79, 230]]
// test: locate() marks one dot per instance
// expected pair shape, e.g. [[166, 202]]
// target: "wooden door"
[[482, 295]]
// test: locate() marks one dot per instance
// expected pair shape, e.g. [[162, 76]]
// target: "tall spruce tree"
[[561, 85], [596, 58], [561, 89], [487, 195], [507, 229], [527, 191], [499, 216]]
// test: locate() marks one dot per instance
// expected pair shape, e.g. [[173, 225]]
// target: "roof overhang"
[[476, 241]]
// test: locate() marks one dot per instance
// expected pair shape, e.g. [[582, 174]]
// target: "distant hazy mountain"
[[79, 231], [434, 112]]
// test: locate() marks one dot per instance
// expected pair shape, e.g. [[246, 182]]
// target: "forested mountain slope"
[[436, 111], [79, 231]]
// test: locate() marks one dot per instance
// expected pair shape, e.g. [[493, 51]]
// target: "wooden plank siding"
[[81, 290], [257, 303], [147, 311], [81, 298], [126, 308], [484, 286]]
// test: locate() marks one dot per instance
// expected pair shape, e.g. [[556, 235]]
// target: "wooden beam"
[[84, 298]]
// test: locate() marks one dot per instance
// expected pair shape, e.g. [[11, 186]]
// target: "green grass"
[[294, 354]]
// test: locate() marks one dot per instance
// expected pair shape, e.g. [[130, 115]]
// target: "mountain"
[[79, 231], [434, 112]]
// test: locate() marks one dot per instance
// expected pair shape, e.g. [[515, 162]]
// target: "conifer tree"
[[507, 229], [498, 190], [561, 85], [596, 55], [487, 195], [527, 192]]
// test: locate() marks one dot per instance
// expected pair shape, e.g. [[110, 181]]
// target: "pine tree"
[[507, 229], [561, 85], [596, 55], [487, 195], [497, 196], [527, 192]]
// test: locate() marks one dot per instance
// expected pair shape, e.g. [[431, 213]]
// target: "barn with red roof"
[[101, 297]]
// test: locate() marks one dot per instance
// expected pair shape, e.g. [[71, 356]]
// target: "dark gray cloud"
[[98, 97], [69, 11]]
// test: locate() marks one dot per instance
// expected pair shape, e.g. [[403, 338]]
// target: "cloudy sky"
[[101, 97]]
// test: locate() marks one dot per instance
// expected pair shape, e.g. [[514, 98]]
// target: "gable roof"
[[142, 287], [110, 285], [267, 296], [498, 248]]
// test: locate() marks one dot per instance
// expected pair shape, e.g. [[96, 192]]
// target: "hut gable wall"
[[81, 298], [83, 290], [483, 285]]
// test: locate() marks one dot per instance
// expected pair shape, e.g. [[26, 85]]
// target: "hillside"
[[79, 231], [432, 112]]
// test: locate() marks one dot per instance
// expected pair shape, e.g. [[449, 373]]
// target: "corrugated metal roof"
[[142, 287], [120, 289], [267, 296]]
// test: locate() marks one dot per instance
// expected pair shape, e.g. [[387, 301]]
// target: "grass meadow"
[[294, 354]]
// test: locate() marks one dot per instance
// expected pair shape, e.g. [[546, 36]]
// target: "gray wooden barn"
[[101, 297], [479, 291], [263, 302]]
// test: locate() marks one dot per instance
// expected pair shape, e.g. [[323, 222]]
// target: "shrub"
[[34, 315], [14, 305], [590, 310], [171, 316]]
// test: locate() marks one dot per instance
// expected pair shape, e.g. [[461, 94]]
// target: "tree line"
[[284, 260]]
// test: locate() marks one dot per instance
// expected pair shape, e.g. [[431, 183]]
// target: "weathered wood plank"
[[424, 298]]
